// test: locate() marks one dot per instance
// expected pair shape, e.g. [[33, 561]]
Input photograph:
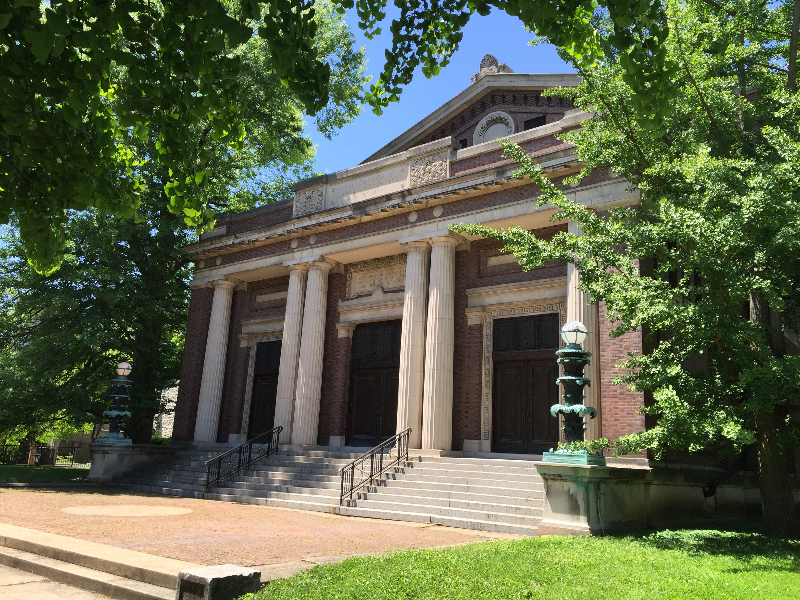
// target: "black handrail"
[[236, 460], [371, 465]]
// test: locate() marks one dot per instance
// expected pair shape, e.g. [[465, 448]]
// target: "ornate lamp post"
[[119, 396], [574, 359]]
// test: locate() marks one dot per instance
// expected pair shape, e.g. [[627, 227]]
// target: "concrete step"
[[500, 496], [392, 515], [470, 479], [494, 516], [165, 483], [520, 492], [91, 580], [288, 502], [482, 467], [328, 490], [114, 572], [528, 509], [162, 490]]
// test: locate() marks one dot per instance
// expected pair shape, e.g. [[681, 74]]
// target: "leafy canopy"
[[122, 290], [64, 109], [713, 236]]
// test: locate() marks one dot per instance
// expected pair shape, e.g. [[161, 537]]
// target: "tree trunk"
[[777, 499]]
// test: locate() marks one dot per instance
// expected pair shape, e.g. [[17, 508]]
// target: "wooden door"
[[374, 379], [265, 388], [262, 404], [510, 406], [524, 384]]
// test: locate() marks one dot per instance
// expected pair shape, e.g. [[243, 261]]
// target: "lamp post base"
[[573, 458], [113, 438]]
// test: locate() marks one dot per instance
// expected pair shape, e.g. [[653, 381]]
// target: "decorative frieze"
[[431, 167], [309, 201], [364, 277]]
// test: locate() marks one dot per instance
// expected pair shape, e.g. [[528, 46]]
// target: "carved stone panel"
[[431, 167], [364, 277], [308, 201]]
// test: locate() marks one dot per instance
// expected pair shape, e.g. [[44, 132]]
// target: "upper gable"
[[517, 97]]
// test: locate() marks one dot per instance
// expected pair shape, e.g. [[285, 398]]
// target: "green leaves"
[[717, 225]]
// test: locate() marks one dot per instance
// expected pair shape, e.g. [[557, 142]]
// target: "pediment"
[[516, 95]]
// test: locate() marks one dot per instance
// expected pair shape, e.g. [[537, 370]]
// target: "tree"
[[707, 264], [79, 77], [122, 290]]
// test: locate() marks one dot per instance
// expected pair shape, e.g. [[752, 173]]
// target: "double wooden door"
[[524, 384], [524, 391], [374, 379], [265, 388]]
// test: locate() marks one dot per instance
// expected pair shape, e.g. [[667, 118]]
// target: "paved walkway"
[[20, 585], [220, 532]]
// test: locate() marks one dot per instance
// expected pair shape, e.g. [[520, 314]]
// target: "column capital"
[[298, 267], [322, 265], [417, 246], [232, 283], [446, 240], [345, 330]]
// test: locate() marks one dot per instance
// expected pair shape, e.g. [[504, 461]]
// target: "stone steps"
[[112, 572], [425, 517], [504, 495]]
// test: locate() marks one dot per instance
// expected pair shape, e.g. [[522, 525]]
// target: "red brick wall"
[[466, 363], [265, 219], [520, 105], [236, 361], [496, 158], [619, 404], [335, 367], [194, 353]]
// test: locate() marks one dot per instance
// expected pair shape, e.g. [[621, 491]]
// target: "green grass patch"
[[23, 474], [668, 565]]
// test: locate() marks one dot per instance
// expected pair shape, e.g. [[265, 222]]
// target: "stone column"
[[580, 308], [412, 343], [207, 421], [312, 346], [290, 350], [437, 404]]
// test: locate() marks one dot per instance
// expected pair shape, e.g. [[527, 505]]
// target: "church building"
[[351, 312]]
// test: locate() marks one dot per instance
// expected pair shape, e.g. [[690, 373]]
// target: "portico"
[[385, 319]]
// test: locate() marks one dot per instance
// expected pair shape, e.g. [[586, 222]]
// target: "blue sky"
[[496, 34]]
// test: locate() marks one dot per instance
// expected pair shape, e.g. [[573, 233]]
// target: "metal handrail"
[[351, 481], [237, 459]]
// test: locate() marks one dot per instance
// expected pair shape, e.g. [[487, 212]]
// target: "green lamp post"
[[119, 396], [574, 360]]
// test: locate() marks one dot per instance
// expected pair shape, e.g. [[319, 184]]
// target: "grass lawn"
[[668, 565], [22, 474]]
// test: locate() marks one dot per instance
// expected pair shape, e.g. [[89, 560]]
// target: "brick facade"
[[373, 216], [619, 404], [194, 353], [335, 366], [236, 361]]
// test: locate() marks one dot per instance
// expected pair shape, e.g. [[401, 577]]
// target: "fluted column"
[[412, 343], [290, 350], [207, 420], [437, 404], [580, 308], [309, 367]]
